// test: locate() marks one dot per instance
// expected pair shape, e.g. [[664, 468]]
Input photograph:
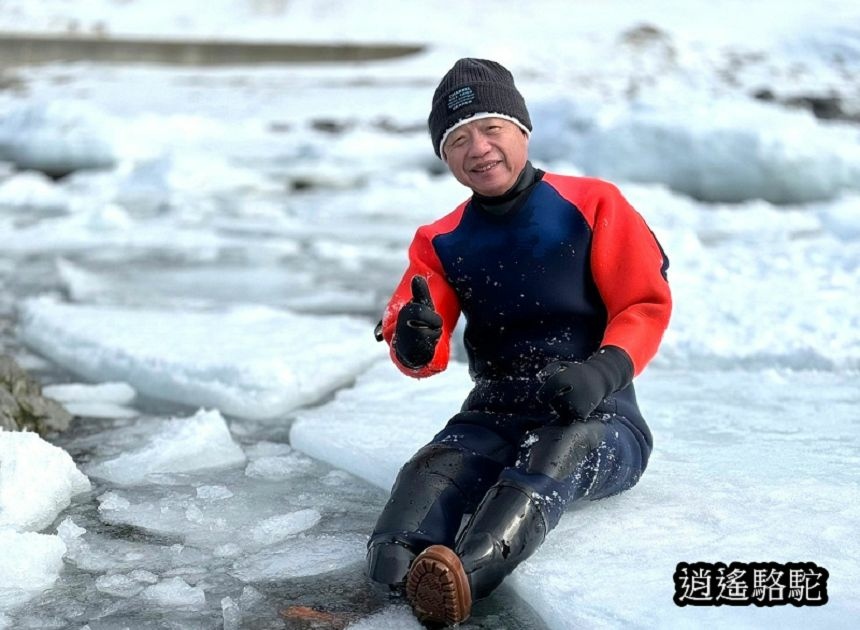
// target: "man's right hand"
[[418, 328]]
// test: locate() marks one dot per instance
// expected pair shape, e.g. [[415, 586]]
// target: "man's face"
[[487, 155]]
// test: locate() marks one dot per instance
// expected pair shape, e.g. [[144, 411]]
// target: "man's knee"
[[432, 492], [557, 451]]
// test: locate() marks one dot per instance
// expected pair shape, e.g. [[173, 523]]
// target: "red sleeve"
[[424, 261], [628, 267]]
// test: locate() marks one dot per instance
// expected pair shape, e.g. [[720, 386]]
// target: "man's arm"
[[419, 341], [629, 269]]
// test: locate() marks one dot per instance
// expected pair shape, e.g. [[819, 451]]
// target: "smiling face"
[[487, 155]]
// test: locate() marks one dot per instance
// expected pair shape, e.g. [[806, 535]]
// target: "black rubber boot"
[[507, 528], [432, 492], [388, 562]]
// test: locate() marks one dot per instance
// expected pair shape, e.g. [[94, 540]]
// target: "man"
[[564, 291]]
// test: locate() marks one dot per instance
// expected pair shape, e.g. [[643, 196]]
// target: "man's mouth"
[[485, 166]]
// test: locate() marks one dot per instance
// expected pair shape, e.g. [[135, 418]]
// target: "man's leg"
[[443, 481], [557, 465]]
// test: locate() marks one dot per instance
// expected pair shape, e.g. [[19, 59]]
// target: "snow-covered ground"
[[201, 292]]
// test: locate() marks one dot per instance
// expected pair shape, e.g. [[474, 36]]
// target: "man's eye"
[[458, 141]]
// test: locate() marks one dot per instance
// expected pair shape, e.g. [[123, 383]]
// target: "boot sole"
[[437, 587]]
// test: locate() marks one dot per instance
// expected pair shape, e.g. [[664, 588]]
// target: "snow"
[[228, 239]]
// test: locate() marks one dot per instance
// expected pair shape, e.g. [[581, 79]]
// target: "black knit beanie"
[[472, 89]]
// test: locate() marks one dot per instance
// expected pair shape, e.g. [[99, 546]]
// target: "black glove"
[[574, 390], [418, 327]]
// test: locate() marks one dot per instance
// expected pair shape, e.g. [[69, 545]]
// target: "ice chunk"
[[362, 430], [278, 468], [58, 137], [277, 528], [111, 501], [575, 577], [719, 150], [841, 218], [29, 563], [119, 393], [301, 557], [232, 614], [37, 481], [245, 521], [105, 400], [389, 618], [69, 531], [180, 445], [250, 597], [95, 553], [182, 178], [261, 363], [175, 593], [34, 193], [214, 493], [118, 585]]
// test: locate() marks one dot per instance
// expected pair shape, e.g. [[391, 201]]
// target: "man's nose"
[[480, 145]]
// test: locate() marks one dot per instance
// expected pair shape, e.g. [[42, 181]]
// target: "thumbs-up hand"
[[418, 327]]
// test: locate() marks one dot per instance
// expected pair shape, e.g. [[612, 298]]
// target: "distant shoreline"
[[24, 49]]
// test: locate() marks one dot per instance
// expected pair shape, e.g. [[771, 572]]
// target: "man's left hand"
[[575, 389]]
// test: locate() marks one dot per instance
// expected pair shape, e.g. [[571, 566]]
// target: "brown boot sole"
[[437, 587]]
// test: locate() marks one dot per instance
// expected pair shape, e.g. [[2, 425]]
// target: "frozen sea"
[[200, 292]]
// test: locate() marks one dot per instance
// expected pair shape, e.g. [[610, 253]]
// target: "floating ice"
[[178, 445], [246, 521], [681, 510], [29, 563], [175, 593], [276, 528], [37, 481], [275, 468], [185, 180], [302, 557], [58, 137], [119, 393], [34, 193], [214, 493], [389, 618], [121, 584], [253, 362], [842, 218], [232, 614], [105, 400], [329, 433], [718, 150]]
